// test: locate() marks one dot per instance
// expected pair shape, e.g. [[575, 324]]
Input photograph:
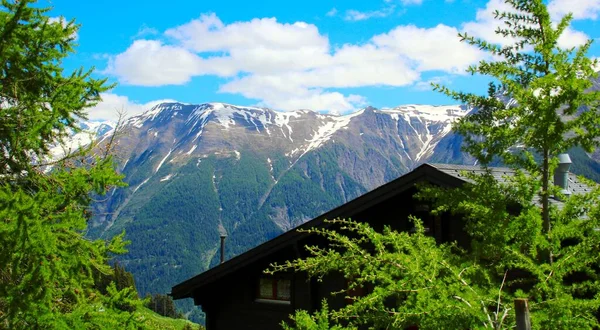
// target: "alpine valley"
[[198, 171]]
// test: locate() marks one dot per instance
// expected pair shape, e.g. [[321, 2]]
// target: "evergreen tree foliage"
[[163, 305], [46, 278], [527, 239], [119, 276], [410, 281], [319, 321]]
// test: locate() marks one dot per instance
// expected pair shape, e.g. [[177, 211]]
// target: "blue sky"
[[329, 56]]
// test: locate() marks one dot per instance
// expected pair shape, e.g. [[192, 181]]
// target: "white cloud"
[[581, 9], [572, 38], [436, 48], [210, 34], [355, 15], [292, 65], [350, 66], [294, 97], [485, 24], [111, 104], [150, 63], [332, 12]]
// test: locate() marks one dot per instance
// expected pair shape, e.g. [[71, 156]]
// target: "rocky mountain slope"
[[198, 171]]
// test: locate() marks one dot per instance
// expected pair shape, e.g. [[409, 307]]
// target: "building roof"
[[501, 173], [448, 175]]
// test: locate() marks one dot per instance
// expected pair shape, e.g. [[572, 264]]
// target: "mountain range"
[[196, 172]]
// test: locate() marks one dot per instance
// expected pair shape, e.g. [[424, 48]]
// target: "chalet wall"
[[231, 303]]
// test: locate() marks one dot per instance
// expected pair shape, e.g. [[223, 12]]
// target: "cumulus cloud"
[[572, 38], [436, 48], [284, 96], [151, 63], [485, 25], [351, 66], [293, 65], [208, 33], [289, 65], [581, 9], [111, 104]]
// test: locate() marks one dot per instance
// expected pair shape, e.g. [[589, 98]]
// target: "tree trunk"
[[545, 199], [522, 314]]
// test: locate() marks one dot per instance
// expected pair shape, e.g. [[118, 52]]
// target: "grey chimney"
[[223, 236], [561, 174]]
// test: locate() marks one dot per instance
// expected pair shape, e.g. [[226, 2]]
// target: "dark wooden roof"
[[425, 172]]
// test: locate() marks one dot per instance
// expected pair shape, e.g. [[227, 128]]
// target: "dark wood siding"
[[231, 303]]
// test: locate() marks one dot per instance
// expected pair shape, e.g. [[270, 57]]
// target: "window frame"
[[274, 299]]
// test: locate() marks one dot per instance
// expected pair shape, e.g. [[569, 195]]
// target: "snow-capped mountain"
[[196, 129], [89, 131], [195, 171]]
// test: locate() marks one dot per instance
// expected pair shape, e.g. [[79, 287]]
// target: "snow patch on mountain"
[[166, 178], [163, 160], [192, 149], [283, 119], [140, 185], [443, 113], [328, 129], [427, 115], [225, 115]]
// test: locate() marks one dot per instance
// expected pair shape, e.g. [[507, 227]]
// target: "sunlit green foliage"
[[410, 280]]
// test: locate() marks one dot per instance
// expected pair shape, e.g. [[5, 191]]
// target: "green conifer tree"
[[47, 262]]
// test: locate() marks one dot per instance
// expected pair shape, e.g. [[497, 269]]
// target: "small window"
[[273, 289]]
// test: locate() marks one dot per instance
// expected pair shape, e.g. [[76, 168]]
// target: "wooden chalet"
[[238, 295]]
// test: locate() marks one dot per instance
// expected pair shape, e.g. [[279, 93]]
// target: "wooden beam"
[[522, 314]]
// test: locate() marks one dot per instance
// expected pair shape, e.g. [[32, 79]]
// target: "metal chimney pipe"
[[223, 236], [561, 174]]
